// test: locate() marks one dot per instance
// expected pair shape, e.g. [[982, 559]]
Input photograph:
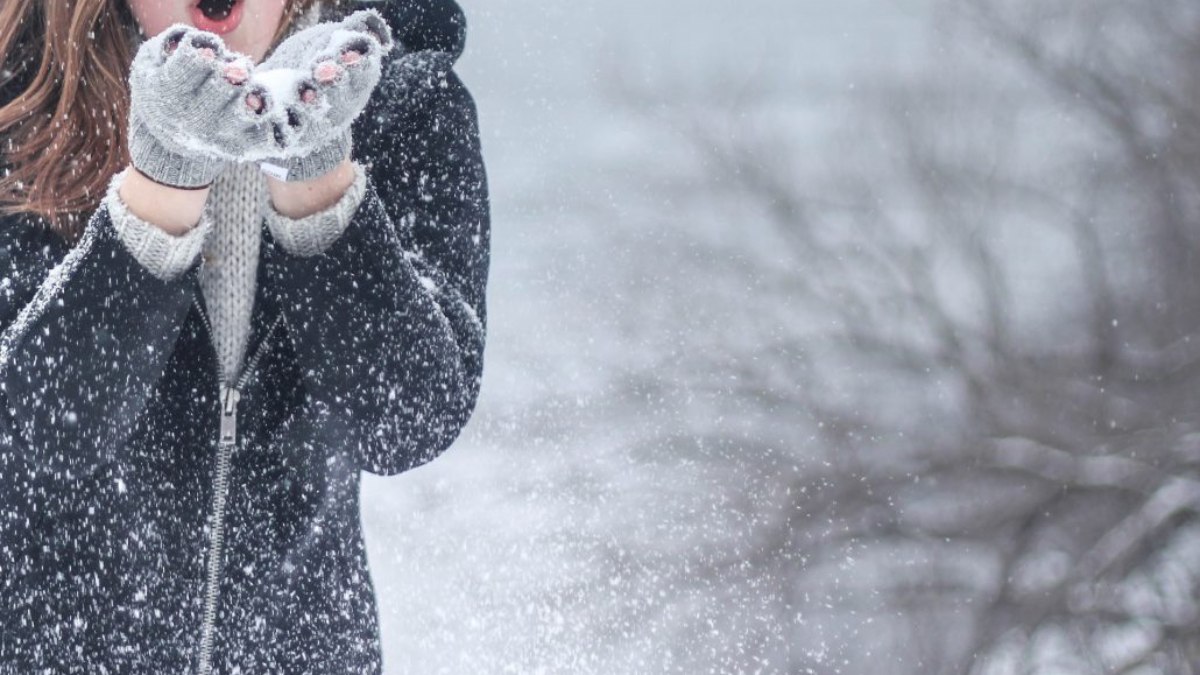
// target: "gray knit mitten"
[[315, 84], [189, 114]]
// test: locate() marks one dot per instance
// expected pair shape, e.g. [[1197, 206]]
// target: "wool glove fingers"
[[189, 115], [317, 82]]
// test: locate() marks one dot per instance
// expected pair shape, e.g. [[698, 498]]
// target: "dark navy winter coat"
[[369, 358]]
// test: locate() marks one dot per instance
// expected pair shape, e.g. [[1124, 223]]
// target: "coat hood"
[[422, 25]]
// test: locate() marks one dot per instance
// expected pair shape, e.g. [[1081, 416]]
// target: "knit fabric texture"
[[186, 120], [165, 255], [229, 237], [229, 273]]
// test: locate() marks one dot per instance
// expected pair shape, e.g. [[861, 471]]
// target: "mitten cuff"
[[168, 167], [315, 233], [165, 255]]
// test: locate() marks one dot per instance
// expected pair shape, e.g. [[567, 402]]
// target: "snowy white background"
[[824, 337], [505, 554]]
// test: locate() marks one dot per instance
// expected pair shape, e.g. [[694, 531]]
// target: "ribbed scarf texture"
[[229, 273]]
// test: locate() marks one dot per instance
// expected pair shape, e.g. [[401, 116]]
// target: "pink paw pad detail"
[[235, 73], [327, 72]]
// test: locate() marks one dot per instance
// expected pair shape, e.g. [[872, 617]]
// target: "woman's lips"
[[218, 26]]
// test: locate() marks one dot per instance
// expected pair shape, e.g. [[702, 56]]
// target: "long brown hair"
[[63, 136]]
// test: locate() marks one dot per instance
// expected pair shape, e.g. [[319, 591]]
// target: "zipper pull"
[[229, 401]]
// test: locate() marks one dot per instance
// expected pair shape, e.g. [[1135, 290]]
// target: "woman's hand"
[[192, 109], [316, 83], [196, 106]]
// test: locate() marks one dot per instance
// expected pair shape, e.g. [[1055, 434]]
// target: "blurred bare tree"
[[946, 365]]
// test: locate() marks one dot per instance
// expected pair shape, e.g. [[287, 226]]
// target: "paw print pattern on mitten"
[[315, 84], [188, 103]]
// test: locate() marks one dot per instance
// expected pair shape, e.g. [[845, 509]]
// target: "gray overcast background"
[[824, 337]]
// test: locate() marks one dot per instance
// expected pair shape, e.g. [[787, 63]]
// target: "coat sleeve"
[[389, 322], [87, 331]]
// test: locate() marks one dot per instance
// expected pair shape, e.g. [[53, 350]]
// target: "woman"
[[224, 291]]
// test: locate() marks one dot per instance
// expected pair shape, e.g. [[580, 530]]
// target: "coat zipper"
[[227, 442]]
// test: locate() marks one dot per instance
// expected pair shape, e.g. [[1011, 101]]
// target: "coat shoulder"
[[419, 25], [418, 87]]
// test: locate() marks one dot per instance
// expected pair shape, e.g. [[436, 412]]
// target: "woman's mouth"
[[217, 16]]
